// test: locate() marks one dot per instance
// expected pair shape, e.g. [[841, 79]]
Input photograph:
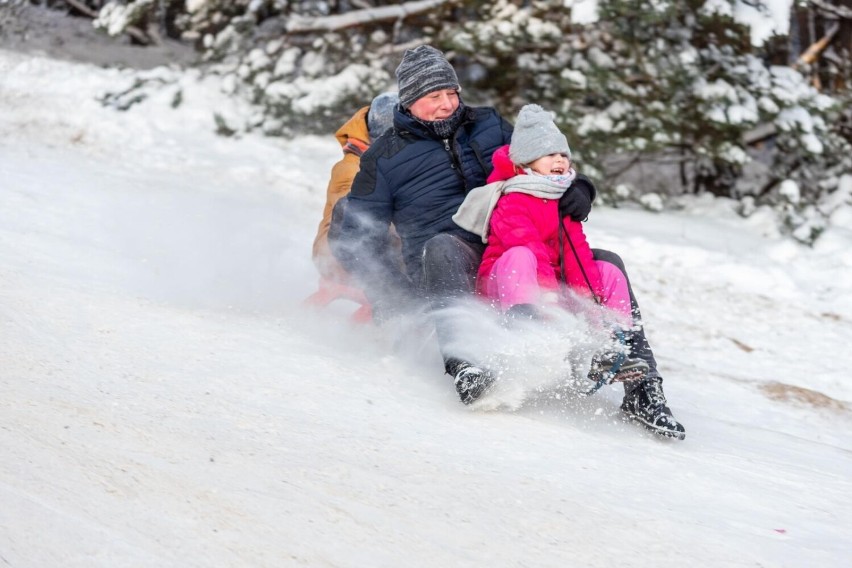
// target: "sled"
[[329, 291]]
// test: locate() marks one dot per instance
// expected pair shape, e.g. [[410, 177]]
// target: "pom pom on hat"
[[424, 70], [380, 115], [536, 135]]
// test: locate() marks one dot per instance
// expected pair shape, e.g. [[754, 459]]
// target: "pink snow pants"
[[514, 280]]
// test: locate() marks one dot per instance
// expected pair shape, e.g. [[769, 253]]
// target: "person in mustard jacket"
[[355, 136]]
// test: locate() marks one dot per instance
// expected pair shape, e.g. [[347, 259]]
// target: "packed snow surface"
[[166, 400]]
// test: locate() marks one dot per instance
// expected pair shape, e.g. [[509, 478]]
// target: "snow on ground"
[[166, 401]]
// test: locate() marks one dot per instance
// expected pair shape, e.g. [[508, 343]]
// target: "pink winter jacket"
[[520, 219]]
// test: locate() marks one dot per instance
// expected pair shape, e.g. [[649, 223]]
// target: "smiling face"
[[437, 105], [551, 165]]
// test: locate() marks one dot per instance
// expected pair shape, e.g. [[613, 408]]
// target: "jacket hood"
[[355, 127], [503, 167]]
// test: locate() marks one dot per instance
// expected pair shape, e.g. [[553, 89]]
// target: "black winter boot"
[[471, 382], [613, 366], [646, 404]]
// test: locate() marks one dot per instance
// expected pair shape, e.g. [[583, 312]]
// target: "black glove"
[[577, 201]]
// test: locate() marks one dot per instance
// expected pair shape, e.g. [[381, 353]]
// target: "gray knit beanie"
[[380, 115], [424, 70], [536, 135]]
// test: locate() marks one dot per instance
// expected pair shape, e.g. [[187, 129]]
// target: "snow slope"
[[165, 400]]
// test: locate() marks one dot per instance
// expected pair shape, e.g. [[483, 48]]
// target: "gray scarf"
[[474, 213], [444, 129]]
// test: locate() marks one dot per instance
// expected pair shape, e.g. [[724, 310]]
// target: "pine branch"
[[832, 9], [301, 24]]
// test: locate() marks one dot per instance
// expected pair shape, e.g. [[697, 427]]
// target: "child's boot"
[[646, 404]]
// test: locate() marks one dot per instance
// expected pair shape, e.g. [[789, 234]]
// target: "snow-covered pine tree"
[[664, 98], [307, 66], [659, 97]]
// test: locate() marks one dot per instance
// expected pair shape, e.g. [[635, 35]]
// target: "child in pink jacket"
[[531, 250]]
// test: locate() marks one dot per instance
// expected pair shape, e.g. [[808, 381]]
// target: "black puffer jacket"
[[415, 180]]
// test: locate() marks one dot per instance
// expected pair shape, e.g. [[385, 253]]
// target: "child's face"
[[551, 165]]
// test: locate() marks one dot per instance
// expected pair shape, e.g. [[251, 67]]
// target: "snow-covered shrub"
[[115, 18], [307, 66], [665, 95], [810, 155], [9, 19], [662, 96]]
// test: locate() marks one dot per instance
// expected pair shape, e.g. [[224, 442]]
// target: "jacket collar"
[[407, 124]]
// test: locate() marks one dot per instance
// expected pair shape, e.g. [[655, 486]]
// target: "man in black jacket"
[[416, 176]]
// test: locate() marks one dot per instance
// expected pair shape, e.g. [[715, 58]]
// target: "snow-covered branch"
[[832, 9], [301, 24], [132, 31]]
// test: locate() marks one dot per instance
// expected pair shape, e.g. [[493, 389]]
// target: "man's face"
[[437, 105]]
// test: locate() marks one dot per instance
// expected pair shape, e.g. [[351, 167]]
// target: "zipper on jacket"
[[455, 163]]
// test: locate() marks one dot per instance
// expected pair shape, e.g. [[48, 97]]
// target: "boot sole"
[[474, 395], [664, 432], [628, 376], [623, 376]]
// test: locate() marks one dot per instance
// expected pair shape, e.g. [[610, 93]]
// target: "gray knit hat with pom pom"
[[536, 135]]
